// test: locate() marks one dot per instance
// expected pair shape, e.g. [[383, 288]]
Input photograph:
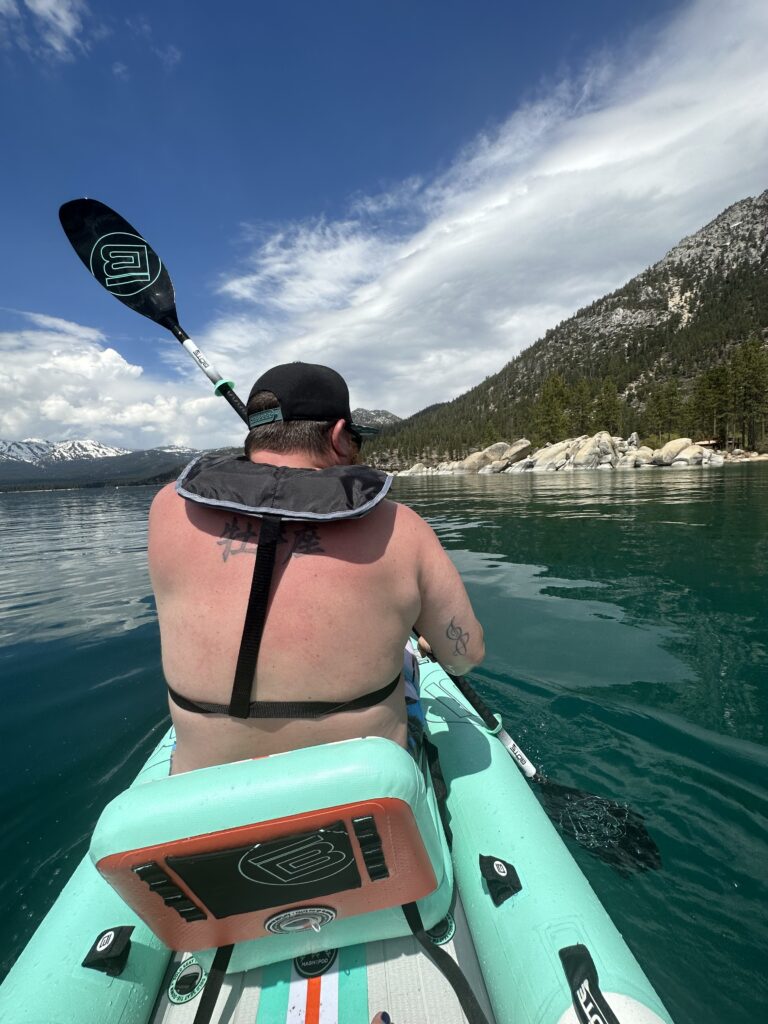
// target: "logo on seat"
[[300, 919], [309, 858]]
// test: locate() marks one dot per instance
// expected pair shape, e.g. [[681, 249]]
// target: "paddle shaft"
[[222, 387], [493, 724]]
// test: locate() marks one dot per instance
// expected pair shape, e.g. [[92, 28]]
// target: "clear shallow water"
[[626, 621]]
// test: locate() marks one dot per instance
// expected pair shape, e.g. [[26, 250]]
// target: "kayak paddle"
[[124, 263], [610, 830]]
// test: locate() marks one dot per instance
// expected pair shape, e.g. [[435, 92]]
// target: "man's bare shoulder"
[[166, 501], [408, 522]]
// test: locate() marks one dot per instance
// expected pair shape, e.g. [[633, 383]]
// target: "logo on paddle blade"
[[124, 263]]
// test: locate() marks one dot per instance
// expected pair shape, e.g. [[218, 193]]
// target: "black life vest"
[[273, 494]]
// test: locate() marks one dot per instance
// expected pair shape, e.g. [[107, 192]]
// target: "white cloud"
[[425, 289], [60, 24], [61, 380]]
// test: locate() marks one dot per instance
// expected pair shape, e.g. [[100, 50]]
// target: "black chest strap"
[[288, 708]]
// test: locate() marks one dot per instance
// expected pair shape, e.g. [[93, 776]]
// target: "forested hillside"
[[680, 349]]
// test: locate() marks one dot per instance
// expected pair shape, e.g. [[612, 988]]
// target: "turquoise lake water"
[[626, 619]]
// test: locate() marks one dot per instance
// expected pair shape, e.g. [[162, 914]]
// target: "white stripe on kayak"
[[329, 996], [298, 994]]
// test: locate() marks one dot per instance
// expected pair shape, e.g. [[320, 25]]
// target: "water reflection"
[[73, 564], [652, 581]]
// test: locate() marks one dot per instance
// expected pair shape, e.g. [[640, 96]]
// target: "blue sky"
[[411, 191]]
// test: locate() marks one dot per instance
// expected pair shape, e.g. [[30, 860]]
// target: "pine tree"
[[607, 409], [551, 423], [580, 408]]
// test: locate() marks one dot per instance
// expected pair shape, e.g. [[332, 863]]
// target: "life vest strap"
[[255, 617]]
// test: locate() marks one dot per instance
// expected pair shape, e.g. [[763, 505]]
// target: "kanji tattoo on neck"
[[306, 541], [239, 538]]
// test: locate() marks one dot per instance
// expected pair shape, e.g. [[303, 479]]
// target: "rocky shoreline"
[[598, 451]]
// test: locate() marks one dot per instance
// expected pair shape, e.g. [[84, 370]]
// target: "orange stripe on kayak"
[[312, 1015]]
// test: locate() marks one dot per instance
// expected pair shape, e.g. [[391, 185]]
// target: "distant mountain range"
[[42, 453], [35, 463]]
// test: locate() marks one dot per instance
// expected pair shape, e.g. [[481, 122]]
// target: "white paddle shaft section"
[[207, 367], [526, 767]]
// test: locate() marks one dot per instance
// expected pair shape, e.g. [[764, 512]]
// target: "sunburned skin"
[[344, 598]]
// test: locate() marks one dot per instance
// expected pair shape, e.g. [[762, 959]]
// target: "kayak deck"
[[392, 975]]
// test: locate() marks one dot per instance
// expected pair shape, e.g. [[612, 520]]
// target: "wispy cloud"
[[421, 291], [168, 54], [52, 29]]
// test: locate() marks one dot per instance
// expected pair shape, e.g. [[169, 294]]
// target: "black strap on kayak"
[[438, 785], [588, 1001], [213, 985], [447, 966], [255, 616]]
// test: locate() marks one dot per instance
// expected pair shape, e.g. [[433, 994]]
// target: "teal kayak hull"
[[517, 946]]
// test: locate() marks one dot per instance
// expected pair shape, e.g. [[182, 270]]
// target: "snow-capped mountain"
[[37, 463], [374, 417], [42, 453], [176, 449]]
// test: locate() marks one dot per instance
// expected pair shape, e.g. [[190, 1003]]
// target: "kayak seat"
[[283, 855]]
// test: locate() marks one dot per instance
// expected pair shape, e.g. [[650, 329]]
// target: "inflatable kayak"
[[323, 885]]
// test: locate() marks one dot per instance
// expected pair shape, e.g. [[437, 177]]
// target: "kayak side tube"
[[554, 923]]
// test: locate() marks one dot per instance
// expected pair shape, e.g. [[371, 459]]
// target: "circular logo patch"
[[124, 263], [500, 868], [187, 982], [105, 941], [443, 931], [315, 964], [300, 919]]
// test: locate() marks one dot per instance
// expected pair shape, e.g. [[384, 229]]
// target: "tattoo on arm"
[[460, 638]]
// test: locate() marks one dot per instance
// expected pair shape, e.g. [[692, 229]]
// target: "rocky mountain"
[[374, 417], [706, 293], [668, 326]]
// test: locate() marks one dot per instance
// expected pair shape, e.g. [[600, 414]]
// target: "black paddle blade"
[[608, 829], [120, 259]]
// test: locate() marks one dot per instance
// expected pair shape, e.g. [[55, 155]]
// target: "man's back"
[[344, 598]]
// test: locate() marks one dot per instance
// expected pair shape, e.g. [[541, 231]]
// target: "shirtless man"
[[344, 594]]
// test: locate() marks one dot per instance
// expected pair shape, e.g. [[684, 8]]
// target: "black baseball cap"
[[305, 391]]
